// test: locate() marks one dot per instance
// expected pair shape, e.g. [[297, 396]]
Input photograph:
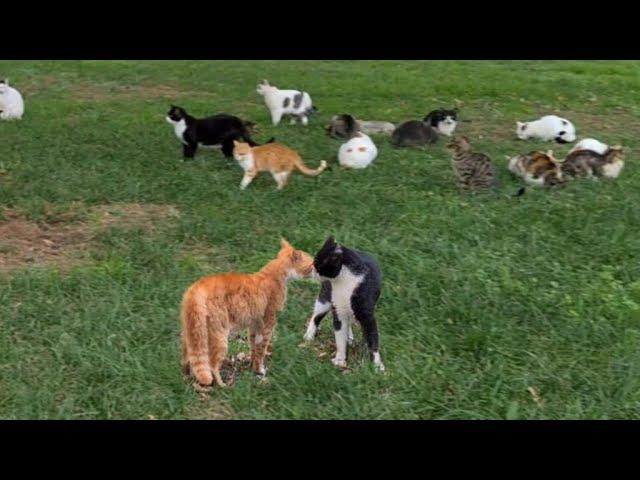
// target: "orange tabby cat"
[[271, 157], [218, 305]]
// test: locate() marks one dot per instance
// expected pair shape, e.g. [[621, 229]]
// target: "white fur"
[[342, 288], [591, 144], [546, 128], [612, 170], [274, 99], [447, 126], [178, 128], [349, 154], [318, 309], [11, 102]]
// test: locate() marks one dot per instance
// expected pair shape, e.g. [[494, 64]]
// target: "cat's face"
[[459, 145], [264, 88], [241, 150], [521, 130], [444, 121], [299, 263], [175, 114], [328, 260], [615, 154]]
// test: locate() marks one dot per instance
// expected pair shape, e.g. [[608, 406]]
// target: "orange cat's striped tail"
[[195, 338], [308, 171]]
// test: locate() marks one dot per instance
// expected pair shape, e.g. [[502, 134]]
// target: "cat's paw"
[[339, 362]]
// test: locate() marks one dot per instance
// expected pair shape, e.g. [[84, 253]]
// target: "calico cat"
[[346, 126], [474, 171], [549, 127], [592, 164], [275, 158], [217, 130], [351, 283], [11, 102], [294, 103], [537, 168], [218, 305]]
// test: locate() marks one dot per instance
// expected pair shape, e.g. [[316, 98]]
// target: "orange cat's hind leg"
[[218, 347], [184, 362], [281, 179]]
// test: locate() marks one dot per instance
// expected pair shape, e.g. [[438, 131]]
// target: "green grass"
[[483, 297]]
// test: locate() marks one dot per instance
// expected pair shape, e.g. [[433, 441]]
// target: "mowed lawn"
[[492, 306]]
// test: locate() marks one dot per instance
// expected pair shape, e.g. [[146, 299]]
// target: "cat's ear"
[[330, 242], [284, 244], [265, 82]]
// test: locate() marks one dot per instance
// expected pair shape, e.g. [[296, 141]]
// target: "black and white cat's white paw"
[[310, 334], [377, 362], [350, 338], [339, 362]]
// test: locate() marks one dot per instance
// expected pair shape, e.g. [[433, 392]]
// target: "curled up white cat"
[[549, 127], [294, 103], [11, 102]]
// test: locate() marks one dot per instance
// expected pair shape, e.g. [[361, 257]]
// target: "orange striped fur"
[[218, 305]]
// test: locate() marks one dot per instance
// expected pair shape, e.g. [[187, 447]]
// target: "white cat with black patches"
[[11, 102], [294, 103], [547, 128], [351, 284]]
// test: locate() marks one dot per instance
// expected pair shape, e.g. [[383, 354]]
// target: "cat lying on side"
[[549, 127], [358, 152], [427, 131], [537, 168], [346, 126], [277, 159], [351, 283], [11, 102], [591, 164], [215, 131], [218, 305], [294, 103]]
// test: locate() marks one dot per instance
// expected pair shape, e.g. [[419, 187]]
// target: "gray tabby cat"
[[593, 164], [474, 171]]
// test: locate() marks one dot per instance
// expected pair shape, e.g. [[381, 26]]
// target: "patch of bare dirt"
[[100, 93], [61, 243]]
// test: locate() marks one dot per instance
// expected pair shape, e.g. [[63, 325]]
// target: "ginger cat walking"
[[275, 158], [218, 305]]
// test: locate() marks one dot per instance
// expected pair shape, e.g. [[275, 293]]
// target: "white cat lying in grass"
[[358, 152], [295, 103], [549, 127], [11, 102], [590, 144]]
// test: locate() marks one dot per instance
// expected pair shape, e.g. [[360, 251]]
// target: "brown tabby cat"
[[275, 158], [593, 164], [537, 168], [474, 171], [218, 305]]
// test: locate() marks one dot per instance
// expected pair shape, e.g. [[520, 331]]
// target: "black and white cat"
[[416, 132], [351, 283], [215, 131]]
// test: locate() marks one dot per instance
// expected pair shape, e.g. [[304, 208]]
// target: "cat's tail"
[[308, 171], [195, 338]]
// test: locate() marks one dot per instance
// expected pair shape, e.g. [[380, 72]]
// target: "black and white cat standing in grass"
[[215, 131], [351, 283]]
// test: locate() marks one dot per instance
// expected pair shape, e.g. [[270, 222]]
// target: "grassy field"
[[492, 306]]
